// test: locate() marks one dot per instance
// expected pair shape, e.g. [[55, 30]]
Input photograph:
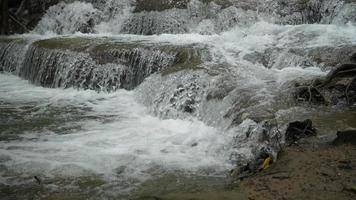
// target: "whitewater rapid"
[[122, 136], [127, 137], [113, 130]]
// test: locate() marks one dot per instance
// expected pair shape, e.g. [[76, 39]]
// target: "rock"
[[327, 172], [261, 162], [345, 137], [345, 165], [351, 188], [297, 130], [28, 13], [281, 176], [97, 64], [353, 58]]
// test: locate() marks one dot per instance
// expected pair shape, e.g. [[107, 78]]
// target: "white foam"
[[133, 139], [68, 18]]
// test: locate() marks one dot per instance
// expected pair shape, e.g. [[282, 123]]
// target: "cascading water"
[[190, 94]]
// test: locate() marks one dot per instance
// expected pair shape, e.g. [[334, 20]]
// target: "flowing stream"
[[117, 96]]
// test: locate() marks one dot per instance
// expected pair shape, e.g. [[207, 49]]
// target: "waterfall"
[[102, 65], [103, 68]]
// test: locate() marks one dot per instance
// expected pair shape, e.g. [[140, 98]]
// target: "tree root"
[[313, 93], [344, 69]]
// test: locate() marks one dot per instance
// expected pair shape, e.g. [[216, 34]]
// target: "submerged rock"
[[298, 130], [345, 137]]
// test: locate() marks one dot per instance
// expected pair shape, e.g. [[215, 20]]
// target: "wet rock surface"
[[25, 14], [298, 130], [345, 137], [337, 88]]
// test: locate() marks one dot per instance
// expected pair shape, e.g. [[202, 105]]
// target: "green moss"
[[186, 59], [107, 46], [104, 50], [80, 44], [74, 44]]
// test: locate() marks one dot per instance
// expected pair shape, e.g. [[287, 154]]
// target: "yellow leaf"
[[266, 162]]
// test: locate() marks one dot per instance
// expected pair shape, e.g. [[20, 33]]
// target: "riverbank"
[[309, 171]]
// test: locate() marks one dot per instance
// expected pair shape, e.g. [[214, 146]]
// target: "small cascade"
[[95, 64], [12, 54]]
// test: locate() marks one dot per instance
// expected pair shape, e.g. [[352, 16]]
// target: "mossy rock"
[[80, 44], [74, 44], [100, 49], [186, 59]]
